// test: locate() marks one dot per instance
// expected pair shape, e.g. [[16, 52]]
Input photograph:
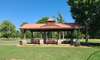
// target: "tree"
[[7, 29], [59, 18], [43, 20], [87, 14]]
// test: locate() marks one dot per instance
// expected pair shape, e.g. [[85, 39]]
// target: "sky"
[[19, 11]]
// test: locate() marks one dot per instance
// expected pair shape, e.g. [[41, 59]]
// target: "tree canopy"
[[87, 14], [60, 18], [43, 20], [7, 29]]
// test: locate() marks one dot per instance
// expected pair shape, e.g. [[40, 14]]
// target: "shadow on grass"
[[90, 44]]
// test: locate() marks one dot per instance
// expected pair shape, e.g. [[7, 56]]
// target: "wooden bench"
[[35, 41], [51, 42]]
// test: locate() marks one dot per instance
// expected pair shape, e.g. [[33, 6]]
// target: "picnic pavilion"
[[50, 26]]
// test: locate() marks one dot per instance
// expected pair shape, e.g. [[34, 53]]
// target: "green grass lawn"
[[47, 53], [9, 51]]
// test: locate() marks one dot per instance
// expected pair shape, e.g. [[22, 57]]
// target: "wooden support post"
[[44, 37], [59, 37], [23, 42], [24, 34], [63, 33], [41, 38]]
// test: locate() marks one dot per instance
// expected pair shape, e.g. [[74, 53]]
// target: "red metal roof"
[[50, 25], [54, 26]]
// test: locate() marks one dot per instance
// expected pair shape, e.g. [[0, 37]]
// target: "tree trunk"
[[86, 39], [86, 34], [71, 38]]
